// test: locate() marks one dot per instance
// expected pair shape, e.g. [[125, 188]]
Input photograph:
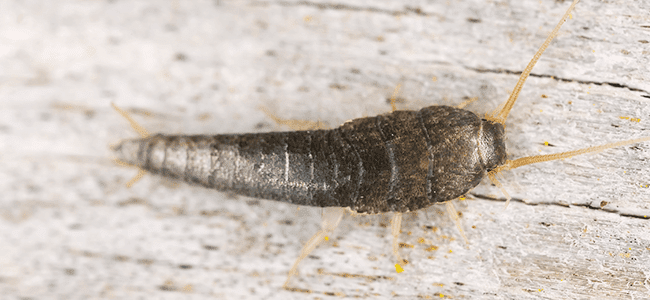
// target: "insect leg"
[[493, 178], [393, 98], [294, 124], [453, 214], [396, 226], [467, 102], [331, 218]]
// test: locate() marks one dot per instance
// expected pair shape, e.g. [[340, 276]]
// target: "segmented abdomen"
[[402, 161]]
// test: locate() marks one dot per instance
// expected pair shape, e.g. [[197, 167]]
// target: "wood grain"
[[70, 229]]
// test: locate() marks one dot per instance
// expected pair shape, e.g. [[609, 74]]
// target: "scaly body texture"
[[397, 162]]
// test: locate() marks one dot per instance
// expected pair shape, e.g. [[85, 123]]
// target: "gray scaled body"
[[398, 162]]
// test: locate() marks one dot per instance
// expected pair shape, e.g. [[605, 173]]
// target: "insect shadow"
[[398, 162]]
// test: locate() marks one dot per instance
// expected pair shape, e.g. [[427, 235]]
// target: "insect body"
[[398, 162]]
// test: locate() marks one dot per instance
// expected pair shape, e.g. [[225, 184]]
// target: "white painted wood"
[[70, 229]]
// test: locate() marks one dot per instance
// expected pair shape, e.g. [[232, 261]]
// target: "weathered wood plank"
[[70, 228]]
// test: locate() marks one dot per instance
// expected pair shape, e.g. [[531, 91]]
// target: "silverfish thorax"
[[398, 162]]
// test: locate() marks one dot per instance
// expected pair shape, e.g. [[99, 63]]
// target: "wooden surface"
[[70, 229]]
